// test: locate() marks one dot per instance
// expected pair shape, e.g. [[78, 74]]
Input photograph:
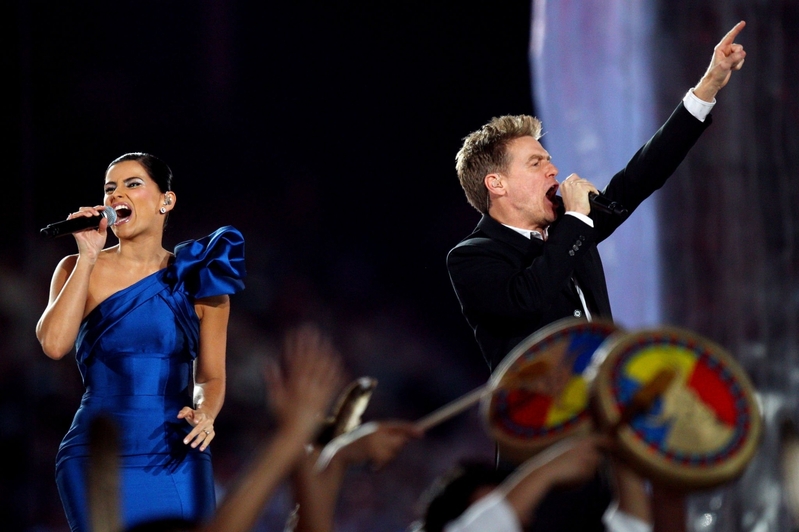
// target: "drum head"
[[704, 427], [540, 393]]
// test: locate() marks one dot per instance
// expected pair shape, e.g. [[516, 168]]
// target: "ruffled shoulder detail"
[[209, 266]]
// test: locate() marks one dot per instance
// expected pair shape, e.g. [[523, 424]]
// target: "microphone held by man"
[[603, 204], [598, 203]]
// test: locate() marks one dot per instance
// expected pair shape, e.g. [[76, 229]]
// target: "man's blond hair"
[[485, 151]]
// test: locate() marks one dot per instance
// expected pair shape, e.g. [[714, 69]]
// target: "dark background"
[[326, 132]]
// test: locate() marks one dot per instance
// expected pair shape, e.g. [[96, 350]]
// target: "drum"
[[705, 425], [540, 391]]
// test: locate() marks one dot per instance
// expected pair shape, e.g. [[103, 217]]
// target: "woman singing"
[[149, 329]]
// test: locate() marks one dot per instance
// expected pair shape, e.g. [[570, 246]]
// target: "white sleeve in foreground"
[[618, 521], [492, 513]]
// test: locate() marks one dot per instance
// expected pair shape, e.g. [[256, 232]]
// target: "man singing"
[[533, 259]]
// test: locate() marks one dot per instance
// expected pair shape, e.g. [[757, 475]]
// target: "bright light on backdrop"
[[593, 91]]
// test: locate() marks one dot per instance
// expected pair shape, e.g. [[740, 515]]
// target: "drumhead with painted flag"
[[703, 428], [541, 394]]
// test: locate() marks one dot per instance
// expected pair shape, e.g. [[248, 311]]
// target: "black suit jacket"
[[510, 286]]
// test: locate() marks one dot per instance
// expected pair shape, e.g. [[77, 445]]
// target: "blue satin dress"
[[135, 352]]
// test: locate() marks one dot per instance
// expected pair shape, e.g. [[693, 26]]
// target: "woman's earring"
[[162, 210]]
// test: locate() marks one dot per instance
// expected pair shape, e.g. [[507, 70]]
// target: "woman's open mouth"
[[123, 213]]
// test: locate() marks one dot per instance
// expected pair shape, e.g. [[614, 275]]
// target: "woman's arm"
[[58, 327], [209, 370], [69, 290]]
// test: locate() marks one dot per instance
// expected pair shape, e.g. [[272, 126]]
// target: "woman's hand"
[[90, 242], [203, 432]]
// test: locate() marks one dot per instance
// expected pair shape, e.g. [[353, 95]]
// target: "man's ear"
[[494, 184]]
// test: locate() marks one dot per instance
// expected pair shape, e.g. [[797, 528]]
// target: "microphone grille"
[[110, 215]]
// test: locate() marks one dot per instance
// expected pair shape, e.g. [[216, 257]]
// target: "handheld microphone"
[[603, 204], [67, 227]]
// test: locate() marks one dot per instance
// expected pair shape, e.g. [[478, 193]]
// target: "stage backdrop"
[[593, 91]]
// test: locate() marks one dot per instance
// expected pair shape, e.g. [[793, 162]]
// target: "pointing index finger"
[[732, 34]]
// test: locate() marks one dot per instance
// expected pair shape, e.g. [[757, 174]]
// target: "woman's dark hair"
[[157, 169]]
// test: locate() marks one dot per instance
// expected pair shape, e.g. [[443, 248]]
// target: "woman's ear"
[[169, 200]]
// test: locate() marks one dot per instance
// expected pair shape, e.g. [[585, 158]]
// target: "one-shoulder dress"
[[135, 352]]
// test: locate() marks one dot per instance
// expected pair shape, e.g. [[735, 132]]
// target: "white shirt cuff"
[[698, 108], [617, 521], [581, 216], [492, 513]]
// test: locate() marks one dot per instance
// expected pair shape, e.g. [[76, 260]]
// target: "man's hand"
[[574, 191], [727, 56]]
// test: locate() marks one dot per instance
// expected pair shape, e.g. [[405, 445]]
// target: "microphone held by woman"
[[73, 225]]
